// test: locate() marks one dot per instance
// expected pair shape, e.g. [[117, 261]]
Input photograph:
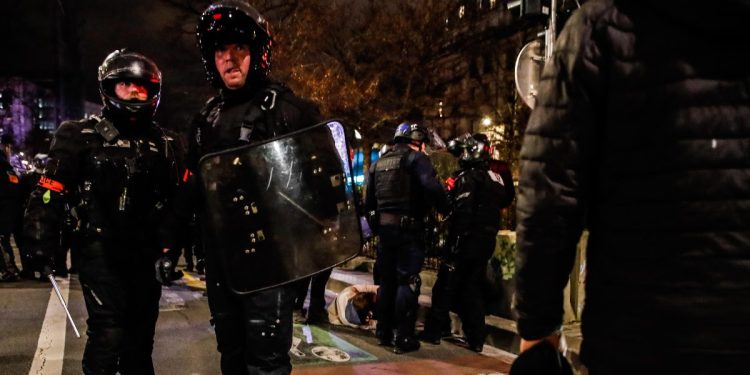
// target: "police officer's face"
[[233, 64], [131, 91]]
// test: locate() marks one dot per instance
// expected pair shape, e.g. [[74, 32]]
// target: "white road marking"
[[50, 349]]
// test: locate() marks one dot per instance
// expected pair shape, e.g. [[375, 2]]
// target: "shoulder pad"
[[89, 123], [76, 126]]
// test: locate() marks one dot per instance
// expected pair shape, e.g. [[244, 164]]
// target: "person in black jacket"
[[640, 134], [10, 204], [119, 172], [477, 196], [253, 331], [402, 186]]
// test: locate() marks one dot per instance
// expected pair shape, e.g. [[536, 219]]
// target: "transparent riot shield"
[[281, 210]]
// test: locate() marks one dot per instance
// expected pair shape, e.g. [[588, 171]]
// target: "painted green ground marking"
[[315, 346]]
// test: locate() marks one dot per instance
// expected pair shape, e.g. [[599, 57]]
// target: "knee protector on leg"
[[414, 282]]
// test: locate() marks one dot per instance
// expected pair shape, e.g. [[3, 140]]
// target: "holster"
[[405, 222]]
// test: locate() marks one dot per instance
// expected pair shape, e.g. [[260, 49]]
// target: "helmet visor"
[[129, 89]]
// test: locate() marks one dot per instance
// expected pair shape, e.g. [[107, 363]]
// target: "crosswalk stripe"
[[50, 349]]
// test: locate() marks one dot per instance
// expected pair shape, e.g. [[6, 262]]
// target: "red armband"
[[450, 182], [12, 178], [51, 184], [186, 175]]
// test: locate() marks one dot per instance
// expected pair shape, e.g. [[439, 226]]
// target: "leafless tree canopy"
[[365, 61]]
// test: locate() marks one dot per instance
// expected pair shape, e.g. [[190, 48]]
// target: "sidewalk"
[[501, 333]]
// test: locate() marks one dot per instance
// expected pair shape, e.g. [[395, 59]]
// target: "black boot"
[[430, 337], [406, 344], [385, 337]]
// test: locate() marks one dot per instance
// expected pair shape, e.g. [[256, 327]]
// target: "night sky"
[[30, 29]]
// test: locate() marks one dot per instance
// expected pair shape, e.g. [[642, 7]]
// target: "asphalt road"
[[32, 326]]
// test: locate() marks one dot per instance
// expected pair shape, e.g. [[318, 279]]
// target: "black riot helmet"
[[410, 133], [123, 65], [234, 21], [40, 162], [470, 149]]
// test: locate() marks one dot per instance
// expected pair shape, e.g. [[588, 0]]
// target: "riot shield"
[[281, 210]]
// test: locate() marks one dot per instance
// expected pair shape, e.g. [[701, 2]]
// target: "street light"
[[486, 121]]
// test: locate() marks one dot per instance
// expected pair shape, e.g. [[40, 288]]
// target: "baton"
[[65, 307]]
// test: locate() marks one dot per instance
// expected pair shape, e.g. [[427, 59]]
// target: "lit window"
[[493, 3], [461, 11]]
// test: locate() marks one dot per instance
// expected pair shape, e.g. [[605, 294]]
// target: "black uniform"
[[477, 198], [10, 205], [402, 187], [122, 192], [254, 331]]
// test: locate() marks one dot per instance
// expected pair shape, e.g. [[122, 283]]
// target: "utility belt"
[[404, 221]]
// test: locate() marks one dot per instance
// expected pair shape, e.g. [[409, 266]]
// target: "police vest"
[[125, 178], [393, 183]]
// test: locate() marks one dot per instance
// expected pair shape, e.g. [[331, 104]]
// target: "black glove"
[[165, 273]]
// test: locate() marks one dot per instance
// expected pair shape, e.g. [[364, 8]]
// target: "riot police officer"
[[119, 171], [10, 204], [253, 330], [402, 186], [477, 195]]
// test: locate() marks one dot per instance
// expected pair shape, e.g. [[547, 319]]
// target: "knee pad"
[[262, 329], [413, 281]]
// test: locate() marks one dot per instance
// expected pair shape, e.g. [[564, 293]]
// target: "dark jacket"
[[219, 125], [426, 191], [641, 135], [257, 112], [477, 198], [123, 189], [10, 195]]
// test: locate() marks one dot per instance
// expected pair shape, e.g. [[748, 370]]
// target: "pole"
[[62, 302], [551, 31]]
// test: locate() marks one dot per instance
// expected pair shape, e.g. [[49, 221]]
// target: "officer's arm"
[[174, 213], [370, 202], [555, 176], [45, 211], [427, 176]]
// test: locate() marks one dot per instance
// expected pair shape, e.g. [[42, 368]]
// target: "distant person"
[[354, 307], [10, 205], [641, 134], [401, 187], [119, 171]]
